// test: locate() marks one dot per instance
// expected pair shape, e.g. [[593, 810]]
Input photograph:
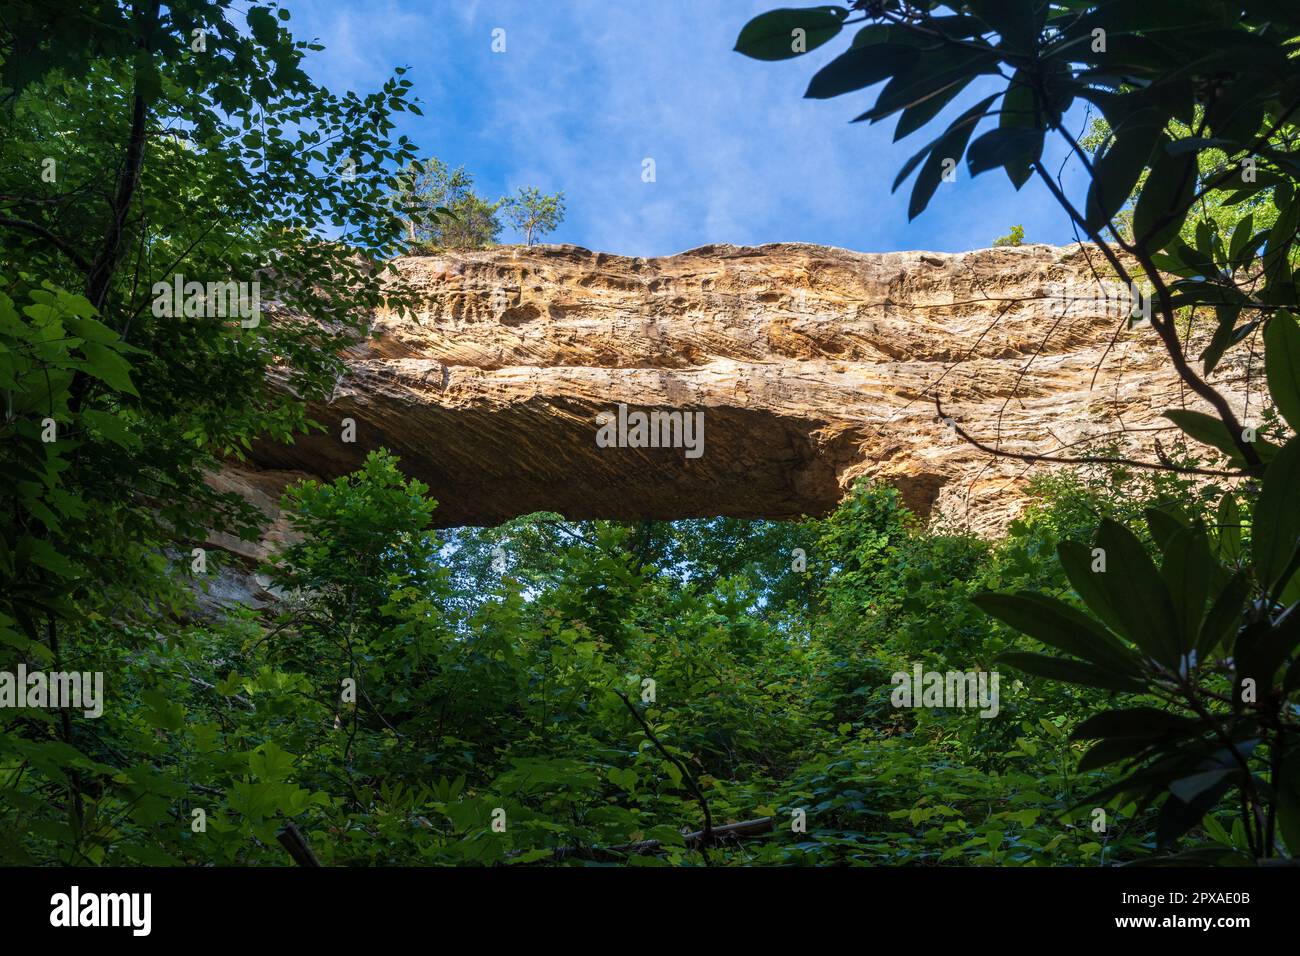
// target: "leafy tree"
[[203, 153], [439, 209], [424, 190], [1015, 237], [610, 685], [1199, 101], [1226, 209], [535, 214], [473, 224]]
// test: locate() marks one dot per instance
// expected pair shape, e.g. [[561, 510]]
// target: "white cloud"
[[586, 90]]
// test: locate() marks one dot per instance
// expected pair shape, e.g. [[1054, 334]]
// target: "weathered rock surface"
[[236, 580], [812, 366]]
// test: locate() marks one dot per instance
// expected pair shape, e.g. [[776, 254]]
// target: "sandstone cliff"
[[812, 366]]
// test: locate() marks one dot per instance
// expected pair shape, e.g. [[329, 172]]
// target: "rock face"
[[811, 366]]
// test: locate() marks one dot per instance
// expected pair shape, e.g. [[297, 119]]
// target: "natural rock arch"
[[812, 366]]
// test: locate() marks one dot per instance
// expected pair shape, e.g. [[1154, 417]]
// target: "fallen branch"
[[728, 831]]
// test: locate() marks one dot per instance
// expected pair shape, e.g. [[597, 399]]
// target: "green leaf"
[[860, 67], [1208, 430], [91, 329], [1111, 750], [148, 854], [1287, 787], [108, 366], [1165, 198], [1180, 258], [970, 116], [1020, 110], [1226, 335], [1058, 625], [948, 147], [41, 552], [1282, 365], [674, 773], [1187, 570], [1215, 831], [1135, 722], [1118, 169], [112, 427], [1281, 236], [1015, 21], [914, 117], [1178, 816], [1015, 148], [1260, 655], [1163, 525], [1224, 615], [931, 76], [1192, 786], [1136, 595], [1228, 522], [1242, 234], [262, 25], [1276, 525], [270, 763], [1077, 560], [163, 712], [772, 35], [1071, 672]]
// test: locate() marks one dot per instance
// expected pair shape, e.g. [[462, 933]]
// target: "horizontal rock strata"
[[811, 366]]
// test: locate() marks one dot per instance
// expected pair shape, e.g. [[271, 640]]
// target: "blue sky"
[[586, 90]]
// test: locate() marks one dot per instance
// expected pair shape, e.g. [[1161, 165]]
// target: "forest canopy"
[[707, 691]]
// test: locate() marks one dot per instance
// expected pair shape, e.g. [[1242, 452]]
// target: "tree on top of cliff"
[[1016, 237], [438, 208], [535, 214], [424, 190]]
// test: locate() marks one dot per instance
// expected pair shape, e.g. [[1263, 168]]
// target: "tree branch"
[[37, 229], [706, 835], [1080, 460]]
